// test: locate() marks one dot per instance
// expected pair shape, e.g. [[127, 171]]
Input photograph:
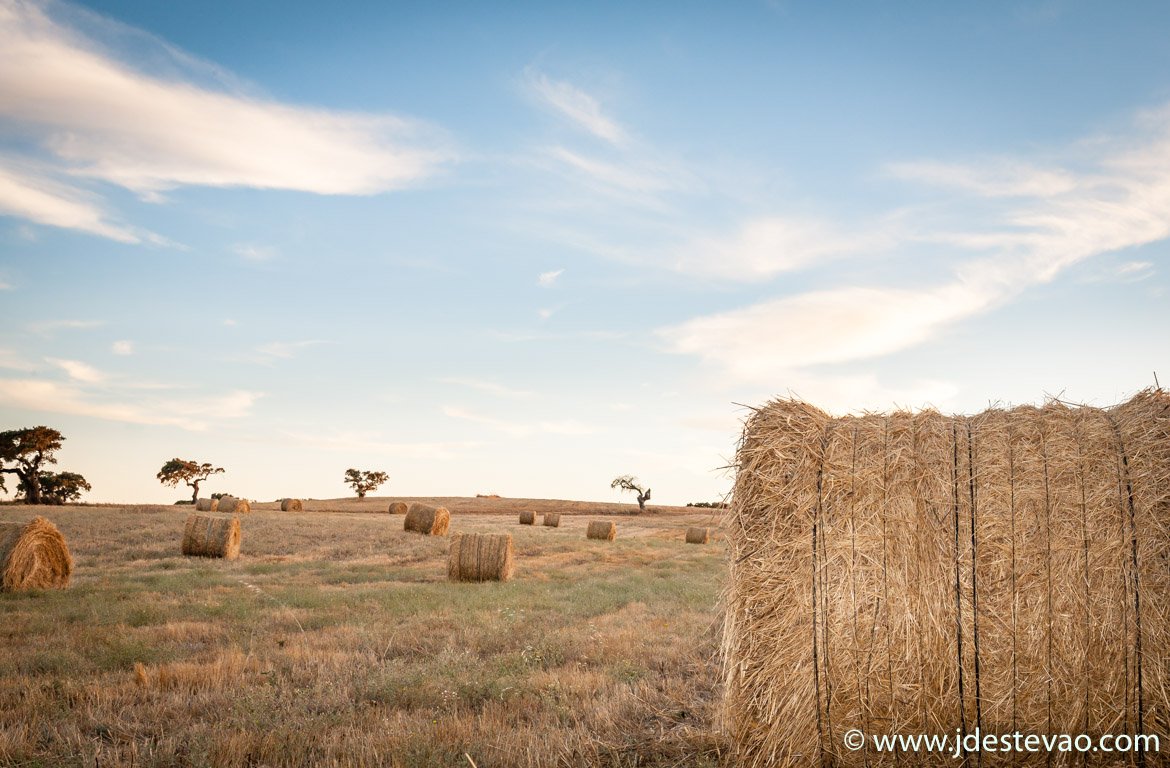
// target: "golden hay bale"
[[291, 505], [481, 557], [205, 536], [919, 573], [527, 517], [552, 519], [230, 505], [398, 507], [421, 518], [206, 505], [599, 529], [698, 535], [33, 555]]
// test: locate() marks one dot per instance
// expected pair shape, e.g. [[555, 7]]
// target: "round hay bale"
[[206, 505], [33, 555], [291, 505], [481, 557], [398, 508], [698, 535], [230, 505], [527, 517], [599, 529], [552, 519], [422, 518], [205, 536]]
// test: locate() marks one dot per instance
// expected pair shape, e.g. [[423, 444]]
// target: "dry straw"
[[230, 505], [205, 536], [527, 517], [33, 555], [206, 505], [552, 519], [698, 535], [917, 573], [599, 529], [398, 508], [421, 518], [291, 505], [481, 557]]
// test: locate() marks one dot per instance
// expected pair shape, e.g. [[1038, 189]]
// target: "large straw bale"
[[33, 555], [230, 505], [291, 505], [552, 519], [527, 517], [205, 536], [600, 529], [480, 557], [919, 573], [698, 535], [398, 508], [206, 505], [422, 518]]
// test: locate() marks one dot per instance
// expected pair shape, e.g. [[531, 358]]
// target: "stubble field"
[[336, 639]]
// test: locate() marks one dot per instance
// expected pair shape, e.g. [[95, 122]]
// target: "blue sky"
[[524, 249]]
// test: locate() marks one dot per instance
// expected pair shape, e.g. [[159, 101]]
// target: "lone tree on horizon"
[[190, 473], [62, 487], [630, 483], [363, 482], [27, 449]]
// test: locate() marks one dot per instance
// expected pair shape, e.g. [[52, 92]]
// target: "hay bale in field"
[[698, 535], [921, 573], [205, 536], [33, 555], [481, 557], [206, 505], [599, 529], [291, 505], [230, 505], [552, 519], [422, 518], [398, 508], [527, 517]]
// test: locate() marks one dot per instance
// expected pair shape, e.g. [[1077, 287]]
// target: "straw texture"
[[230, 505], [599, 529], [481, 557], [205, 536], [527, 517], [915, 573], [206, 505], [398, 508], [432, 521], [552, 519], [291, 505], [698, 535], [33, 555]]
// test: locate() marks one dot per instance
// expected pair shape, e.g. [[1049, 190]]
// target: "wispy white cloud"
[[195, 414], [78, 371], [490, 387], [14, 361], [284, 350], [547, 279], [515, 429], [37, 198], [49, 327], [122, 347], [366, 443], [575, 104], [253, 252], [108, 119]]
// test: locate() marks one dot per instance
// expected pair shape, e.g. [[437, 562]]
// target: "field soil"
[[336, 639]]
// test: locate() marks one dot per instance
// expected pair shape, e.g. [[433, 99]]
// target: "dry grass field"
[[336, 639]]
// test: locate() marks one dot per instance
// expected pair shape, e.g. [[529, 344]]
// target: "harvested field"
[[336, 638]]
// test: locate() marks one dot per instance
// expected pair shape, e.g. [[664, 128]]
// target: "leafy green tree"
[[26, 450], [363, 482], [190, 473], [630, 483], [62, 487]]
